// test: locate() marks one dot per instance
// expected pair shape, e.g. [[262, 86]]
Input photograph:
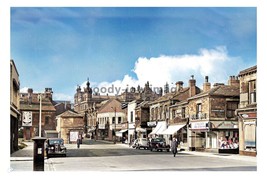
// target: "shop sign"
[[151, 124], [199, 125], [27, 118], [227, 125]]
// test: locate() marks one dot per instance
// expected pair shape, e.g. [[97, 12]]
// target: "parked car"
[[158, 144], [55, 146], [142, 143]]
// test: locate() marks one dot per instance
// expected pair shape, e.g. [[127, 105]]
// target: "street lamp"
[[40, 114], [114, 109]]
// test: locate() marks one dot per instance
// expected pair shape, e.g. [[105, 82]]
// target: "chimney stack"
[[179, 86], [192, 86], [206, 85], [233, 81]]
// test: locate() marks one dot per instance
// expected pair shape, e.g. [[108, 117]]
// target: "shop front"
[[226, 134], [198, 135], [248, 132]]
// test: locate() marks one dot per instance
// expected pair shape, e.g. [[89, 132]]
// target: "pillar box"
[[38, 153]]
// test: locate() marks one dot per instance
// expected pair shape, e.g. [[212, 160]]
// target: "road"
[[103, 156]]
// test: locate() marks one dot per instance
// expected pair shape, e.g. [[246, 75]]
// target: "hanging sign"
[[27, 118]]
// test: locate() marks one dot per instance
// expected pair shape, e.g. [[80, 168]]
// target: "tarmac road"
[[106, 156]]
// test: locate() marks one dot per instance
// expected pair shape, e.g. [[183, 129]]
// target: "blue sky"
[[60, 47]]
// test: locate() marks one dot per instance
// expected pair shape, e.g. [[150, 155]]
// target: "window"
[[131, 116], [173, 114], [119, 120], [252, 92], [113, 120], [46, 119], [183, 112], [230, 109], [199, 109]]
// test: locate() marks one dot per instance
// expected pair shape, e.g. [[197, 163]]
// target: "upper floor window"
[[46, 119], [183, 112], [199, 110], [230, 109], [131, 116], [173, 114], [119, 120], [113, 120], [252, 92]]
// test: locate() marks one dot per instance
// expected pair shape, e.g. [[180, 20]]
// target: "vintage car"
[[158, 144], [142, 143], [55, 146]]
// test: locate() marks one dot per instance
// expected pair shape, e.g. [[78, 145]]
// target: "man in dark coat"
[[174, 145]]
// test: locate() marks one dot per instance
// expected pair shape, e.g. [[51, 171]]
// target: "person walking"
[[78, 143], [174, 146]]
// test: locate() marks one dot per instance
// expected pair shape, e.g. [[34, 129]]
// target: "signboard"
[[27, 118], [151, 124], [199, 125], [74, 136]]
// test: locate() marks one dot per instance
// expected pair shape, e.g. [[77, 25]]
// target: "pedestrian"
[[174, 145], [78, 143]]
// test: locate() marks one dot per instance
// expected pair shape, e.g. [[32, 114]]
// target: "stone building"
[[160, 113], [87, 103], [179, 115], [14, 106], [247, 111], [70, 125], [30, 110], [212, 116], [112, 121]]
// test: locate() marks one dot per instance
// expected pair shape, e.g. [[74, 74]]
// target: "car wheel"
[[151, 149]]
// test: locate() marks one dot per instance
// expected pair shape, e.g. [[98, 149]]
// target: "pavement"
[[26, 156]]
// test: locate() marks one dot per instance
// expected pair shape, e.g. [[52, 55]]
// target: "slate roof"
[[107, 107], [221, 90], [70, 113], [248, 70]]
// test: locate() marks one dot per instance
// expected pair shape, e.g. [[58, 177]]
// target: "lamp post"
[[114, 109], [40, 114]]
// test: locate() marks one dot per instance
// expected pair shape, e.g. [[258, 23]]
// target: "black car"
[[158, 144], [55, 146]]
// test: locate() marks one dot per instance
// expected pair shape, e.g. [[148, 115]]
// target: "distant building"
[[14, 106], [30, 110], [70, 125]]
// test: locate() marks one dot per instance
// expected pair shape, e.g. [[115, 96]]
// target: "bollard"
[[38, 153]]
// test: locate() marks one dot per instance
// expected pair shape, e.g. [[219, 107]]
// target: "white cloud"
[[215, 63]]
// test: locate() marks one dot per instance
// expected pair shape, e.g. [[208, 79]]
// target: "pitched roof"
[[109, 105], [221, 90], [70, 113], [248, 70]]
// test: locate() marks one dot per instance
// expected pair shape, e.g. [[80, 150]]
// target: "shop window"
[[250, 136]]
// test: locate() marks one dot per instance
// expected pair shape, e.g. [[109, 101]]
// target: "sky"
[[61, 48]]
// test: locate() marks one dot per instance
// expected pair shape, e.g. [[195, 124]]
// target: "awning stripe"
[[172, 129]]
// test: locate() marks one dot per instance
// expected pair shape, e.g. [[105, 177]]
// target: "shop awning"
[[172, 129], [119, 133], [161, 126]]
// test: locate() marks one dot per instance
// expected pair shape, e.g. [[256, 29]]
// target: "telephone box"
[[38, 153]]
